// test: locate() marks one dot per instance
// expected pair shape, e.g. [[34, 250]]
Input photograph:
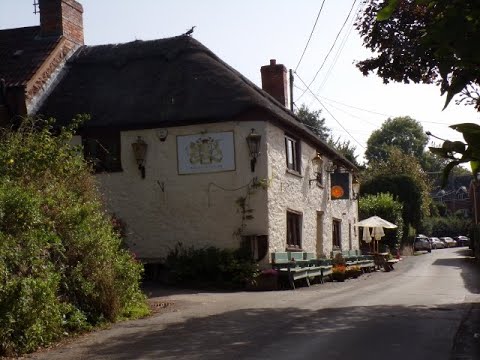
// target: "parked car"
[[462, 240], [448, 241], [422, 243], [437, 243]]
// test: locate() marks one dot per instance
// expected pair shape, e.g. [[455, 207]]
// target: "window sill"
[[294, 172], [293, 249]]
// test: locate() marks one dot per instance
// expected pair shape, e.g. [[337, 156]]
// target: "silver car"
[[448, 241], [422, 243], [437, 243]]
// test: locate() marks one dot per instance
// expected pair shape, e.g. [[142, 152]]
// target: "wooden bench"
[[319, 267], [291, 266], [366, 262]]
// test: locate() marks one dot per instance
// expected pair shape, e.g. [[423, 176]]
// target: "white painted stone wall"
[[200, 209], [295, 192], [196, 209]]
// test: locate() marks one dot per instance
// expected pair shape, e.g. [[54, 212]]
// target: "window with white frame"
[[292, 150]]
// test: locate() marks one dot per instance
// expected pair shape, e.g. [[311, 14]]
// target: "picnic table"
[[383, 260]]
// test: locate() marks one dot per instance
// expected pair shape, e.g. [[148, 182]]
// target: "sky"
[[247, 34]]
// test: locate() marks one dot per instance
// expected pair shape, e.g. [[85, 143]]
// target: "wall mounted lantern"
[[317, 163], [331, 167], [140, 151], [317, 178], [355, 188], [253, 142]]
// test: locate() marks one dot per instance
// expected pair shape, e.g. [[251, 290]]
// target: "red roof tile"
[[22, 52]]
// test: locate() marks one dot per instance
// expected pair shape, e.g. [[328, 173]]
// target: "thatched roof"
[[159, 83]]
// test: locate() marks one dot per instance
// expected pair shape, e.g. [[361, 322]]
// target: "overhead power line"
[[340, 48], [331, 48], [310, 37], [328, 111]]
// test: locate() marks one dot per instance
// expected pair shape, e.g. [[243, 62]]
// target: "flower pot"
[[338, 277]]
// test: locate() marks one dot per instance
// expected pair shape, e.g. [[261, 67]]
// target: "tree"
[[387, 176], [346, 148], [403, 133], [313, 120], [424, 41], [429, 41], [458, 152]]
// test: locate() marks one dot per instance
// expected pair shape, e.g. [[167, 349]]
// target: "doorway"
[[320, 248]]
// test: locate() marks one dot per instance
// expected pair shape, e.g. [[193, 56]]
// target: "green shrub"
[[62, 266], [384, 206], [447, 226], [211, 266], [405, 189]]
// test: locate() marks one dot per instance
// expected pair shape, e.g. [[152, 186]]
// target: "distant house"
[[188, 150], [456, 195]]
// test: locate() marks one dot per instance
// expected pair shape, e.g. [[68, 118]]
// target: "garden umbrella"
[[375, 221], [366, 235], [378, 224]]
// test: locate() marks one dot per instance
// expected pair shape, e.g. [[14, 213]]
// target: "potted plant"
[[353, 271], [338, 272]]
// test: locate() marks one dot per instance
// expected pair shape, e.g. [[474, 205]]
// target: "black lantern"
[[140, 151], [355, 188], [253, 142], [317, 162]]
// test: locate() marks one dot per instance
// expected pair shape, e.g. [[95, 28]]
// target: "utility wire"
[[331, 48], [355, 107], [310, 37], [340, 49], [328, 111]]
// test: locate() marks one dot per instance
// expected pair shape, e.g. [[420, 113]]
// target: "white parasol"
[[378, 224], [376, 221], [366, 235]]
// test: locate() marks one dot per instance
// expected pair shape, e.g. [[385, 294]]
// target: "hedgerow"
[[62, 266]]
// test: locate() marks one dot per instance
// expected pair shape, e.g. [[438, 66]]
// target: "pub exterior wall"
[[199, 210], [289, 191], [196, 210]]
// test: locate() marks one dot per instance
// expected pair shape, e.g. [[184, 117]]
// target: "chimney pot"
[[62, 18], [274, 81]]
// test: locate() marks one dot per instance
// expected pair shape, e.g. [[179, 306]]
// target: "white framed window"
[[292, 150]]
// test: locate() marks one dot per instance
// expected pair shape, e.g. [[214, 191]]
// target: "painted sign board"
[[206, 153]]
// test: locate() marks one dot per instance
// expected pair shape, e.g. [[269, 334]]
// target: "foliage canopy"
[[62, 267], [403, 133], [402, 176], [313, 120], [424, 41]]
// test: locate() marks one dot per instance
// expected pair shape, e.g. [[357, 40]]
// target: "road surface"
[[414, 312]]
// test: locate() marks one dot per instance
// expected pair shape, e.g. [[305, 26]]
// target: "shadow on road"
[[338, 333], [468, 264]]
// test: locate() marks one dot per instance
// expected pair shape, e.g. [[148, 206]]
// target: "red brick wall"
[[62, 17], [274, 81]]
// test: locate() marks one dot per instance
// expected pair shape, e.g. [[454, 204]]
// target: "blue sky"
[[247, 34]]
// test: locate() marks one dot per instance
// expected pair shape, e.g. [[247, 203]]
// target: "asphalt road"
[[419, 311]]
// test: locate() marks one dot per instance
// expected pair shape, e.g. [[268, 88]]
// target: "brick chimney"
[[274, 81], [62, 17]]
